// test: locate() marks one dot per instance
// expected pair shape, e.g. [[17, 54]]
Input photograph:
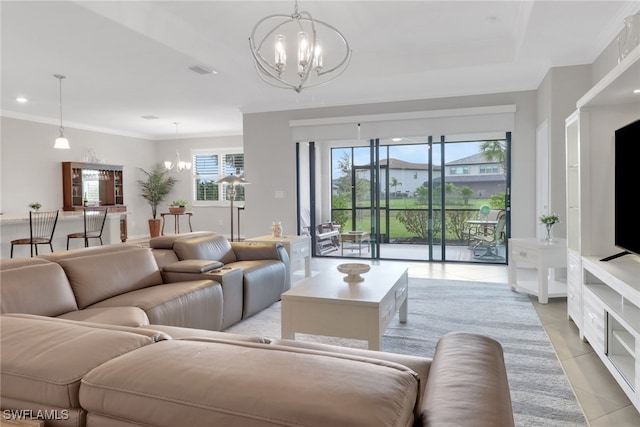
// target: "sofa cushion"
[[123, 316], [192, 334], [263, 283], [93, 250], [99, 277], [167, 241], [43, 360], [192, 304], [208, 247], [312, 389], [9, 263], [40, 288]]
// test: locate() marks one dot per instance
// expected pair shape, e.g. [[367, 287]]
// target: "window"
[[209, 167], [489, 169], [459, 170]]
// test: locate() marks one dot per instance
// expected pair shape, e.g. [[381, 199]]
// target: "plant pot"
[[177, 210], [154, 227]]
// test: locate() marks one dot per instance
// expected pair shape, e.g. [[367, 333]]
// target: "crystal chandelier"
[[314, 39], [178, 165], [61, 143]]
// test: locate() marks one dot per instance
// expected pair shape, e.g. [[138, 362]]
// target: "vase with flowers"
[[548, 221]]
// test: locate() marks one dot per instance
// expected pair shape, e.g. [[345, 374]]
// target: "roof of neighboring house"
[[475, 159], [401, 164]]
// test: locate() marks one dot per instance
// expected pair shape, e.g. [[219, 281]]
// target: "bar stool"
[[42, 225], [94, 219]]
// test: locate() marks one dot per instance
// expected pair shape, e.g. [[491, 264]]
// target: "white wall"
[[32, 170]]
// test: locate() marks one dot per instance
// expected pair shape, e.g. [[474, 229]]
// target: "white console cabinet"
[[611, 318]]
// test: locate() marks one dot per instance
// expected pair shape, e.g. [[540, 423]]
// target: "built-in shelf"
[[611, 288], [603, 297]]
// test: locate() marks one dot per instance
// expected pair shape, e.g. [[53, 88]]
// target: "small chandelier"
[[310, 52], [178, 165], [61, 143]]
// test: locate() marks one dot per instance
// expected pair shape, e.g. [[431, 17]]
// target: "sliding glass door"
[[419, 198]]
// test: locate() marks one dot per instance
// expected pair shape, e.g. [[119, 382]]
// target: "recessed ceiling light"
[[21, 99], [396, 139], [636, 91]]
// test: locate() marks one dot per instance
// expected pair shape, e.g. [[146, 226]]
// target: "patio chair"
[[489, 242], [42, 225]]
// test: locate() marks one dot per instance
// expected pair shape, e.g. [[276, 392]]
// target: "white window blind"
[[209, 167]]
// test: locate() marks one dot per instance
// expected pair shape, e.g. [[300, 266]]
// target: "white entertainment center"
[[603, 297]]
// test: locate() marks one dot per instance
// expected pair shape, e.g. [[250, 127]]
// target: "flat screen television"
[[627, 180]]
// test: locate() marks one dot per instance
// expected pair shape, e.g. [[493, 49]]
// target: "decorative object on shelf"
[[353, 271], [231, 181], [155, 188], [629, 37], [92, 157], [548, 221], [309, 51], [35, 206], [61, 143], [178, 165], [178, 206], [276, 229]]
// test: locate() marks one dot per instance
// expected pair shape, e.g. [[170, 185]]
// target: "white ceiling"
[[127, 59]]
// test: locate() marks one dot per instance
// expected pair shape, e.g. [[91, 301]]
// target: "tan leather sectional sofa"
[[97, 375], [102, 337], [125, 284]]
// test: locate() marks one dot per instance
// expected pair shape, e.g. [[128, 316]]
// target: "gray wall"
[[271, 164], [556, 100]]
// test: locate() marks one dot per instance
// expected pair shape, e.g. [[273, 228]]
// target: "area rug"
[[540, 392]]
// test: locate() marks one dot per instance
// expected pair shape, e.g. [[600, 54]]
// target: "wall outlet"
[[219, 222]]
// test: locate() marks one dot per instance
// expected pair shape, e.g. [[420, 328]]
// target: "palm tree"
[[394, 183], [495, 150]]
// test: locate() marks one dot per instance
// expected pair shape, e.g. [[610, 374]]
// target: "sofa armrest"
[[467, 381], [251, 251], [192, 266]]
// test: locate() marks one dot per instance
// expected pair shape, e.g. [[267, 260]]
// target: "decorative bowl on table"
[[353, 271]]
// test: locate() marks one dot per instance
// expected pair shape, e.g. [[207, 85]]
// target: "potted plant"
[[154, 188], [179, 206], [35, 206]]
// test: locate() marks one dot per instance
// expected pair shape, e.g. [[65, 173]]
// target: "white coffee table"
[[326, 305]]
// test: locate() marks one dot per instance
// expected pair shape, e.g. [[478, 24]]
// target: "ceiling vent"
[[150, 117]]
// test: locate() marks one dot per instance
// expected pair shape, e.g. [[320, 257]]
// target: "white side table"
[[545, 257], [298, 247]]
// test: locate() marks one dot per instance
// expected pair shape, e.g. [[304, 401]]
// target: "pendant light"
[[178, 165], [61, 143]]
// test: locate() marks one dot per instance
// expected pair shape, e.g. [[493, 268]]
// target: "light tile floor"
[[602, 400]]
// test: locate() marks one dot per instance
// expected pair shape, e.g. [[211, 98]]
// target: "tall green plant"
[[156, 186]]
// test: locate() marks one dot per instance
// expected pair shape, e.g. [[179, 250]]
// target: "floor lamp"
[[232, 181]]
